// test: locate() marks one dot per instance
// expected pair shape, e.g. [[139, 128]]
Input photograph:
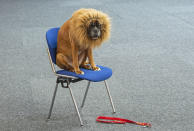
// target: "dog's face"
[[94, 30]]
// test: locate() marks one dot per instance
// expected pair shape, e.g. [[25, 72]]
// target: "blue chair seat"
[[94, 76]]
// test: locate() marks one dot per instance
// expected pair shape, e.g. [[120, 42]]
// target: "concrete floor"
[[151, 52]]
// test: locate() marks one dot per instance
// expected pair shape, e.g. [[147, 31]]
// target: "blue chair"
[[67, 77]]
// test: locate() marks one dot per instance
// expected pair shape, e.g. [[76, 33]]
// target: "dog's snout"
[[95, 30]]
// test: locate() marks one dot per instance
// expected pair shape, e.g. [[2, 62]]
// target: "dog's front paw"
[[88, 67], [95, 68], [79, 72]]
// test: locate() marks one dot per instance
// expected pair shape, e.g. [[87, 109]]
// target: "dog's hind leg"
[[63, 62], [84, 63]]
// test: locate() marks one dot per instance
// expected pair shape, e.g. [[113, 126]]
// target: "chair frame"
[[70, 79]]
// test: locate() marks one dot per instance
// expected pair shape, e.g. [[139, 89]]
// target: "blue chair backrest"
[[51, 37]]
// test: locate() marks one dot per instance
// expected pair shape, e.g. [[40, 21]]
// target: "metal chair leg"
[[86, 92], [81, 122], [53, 100], [108, 91]]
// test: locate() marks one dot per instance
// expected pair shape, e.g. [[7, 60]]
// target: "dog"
[[78, 36]]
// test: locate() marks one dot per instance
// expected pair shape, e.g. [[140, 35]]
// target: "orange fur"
[[73, 44]]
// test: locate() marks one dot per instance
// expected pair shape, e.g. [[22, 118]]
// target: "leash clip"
[[148, 125]]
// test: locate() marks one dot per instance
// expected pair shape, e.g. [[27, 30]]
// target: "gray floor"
[[151, 53]]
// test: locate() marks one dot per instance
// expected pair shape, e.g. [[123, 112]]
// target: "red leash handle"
[[105, 119], [117, 120]]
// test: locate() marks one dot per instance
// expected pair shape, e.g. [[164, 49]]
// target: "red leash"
[[117, 120]]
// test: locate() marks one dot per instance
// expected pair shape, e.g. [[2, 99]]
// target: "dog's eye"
[[92, 24], [97, 24]]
